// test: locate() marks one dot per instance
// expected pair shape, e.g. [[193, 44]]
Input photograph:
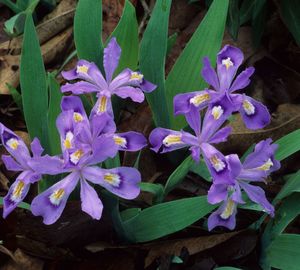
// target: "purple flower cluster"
[[86, 141], [230, 176]]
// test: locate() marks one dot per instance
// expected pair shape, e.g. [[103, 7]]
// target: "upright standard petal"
[[51, 203], [122, 181], [254, 113], [90, 202], [221, 135], [242, 80], [130, 141], [193, 118], [111, 58], [209, 74], [36, 147], [228, 61], [74, 104]]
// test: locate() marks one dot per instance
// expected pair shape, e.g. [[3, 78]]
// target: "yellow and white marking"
[[12, 143], [68, 140], [57, 196], [172, 139], [135, 76], [102, 104], [248, 107], [77, 117], [75, 157], [18, 191], [217, 112], [266, 166], [199, 99], [229, 209], [120, 141], [217, 163], [113, 179], [82, 69], [227, 63]]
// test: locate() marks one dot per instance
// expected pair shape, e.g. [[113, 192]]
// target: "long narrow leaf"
[[288, 145]]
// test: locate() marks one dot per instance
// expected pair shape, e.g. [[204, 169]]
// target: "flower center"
[[77, 117], [135, 76], [172, 139], [56, 196], [217, 163], [120, 141], [227, 63], [68, 140], [113, 179], [102, 104], [82, 69], [228, 211], [12, 143], [199, 99], [266, 166], [17, 192], [248, 107], [217, 112], [75, 157]]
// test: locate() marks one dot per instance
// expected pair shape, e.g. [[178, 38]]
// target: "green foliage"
[[152, 60], [88, 31], [185, 74], [233, 18], [16, 96], [288, 145], [156, 189]]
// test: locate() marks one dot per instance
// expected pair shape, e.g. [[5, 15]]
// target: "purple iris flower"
[[19, 161], [209, 133], [256, 168], [127, 84], [224, 82], [83, 145]]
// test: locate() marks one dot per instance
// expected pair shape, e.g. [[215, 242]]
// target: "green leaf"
[[16, 96], [206, 41], [22, 205], [290, 11], [201, 169], [156, 189], [227, 268], [284, 252], [10, 4], [34, 85], [288, 145], [246, 11], [15, 25], [126, 33], [129, 213], [258, 21], [166, 218], [55, 96], [233, 19], [178, 175], [88, 31], [171, 42], [152, 60]]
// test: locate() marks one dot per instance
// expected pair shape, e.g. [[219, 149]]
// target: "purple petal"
[[257, 195], [122, 79], [73, 103], [254, 113], [242, 80], [16, 193], [209, 74], [102, 124], [11, 164], [135, 94], [228, 61], [111, 58], [122, 181], [90, 202], [36, 147], [234, 164], [221, 135], [87, 71], [147, 86], [130, 141], [195, 153], [194, 120], [217, 193], [47, 165], [103, 105], [79, 88], [51, 203]]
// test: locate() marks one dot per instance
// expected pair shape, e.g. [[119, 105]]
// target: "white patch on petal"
[[75, 157], [120, 141], [171, 140], [217, 163], [17, 191], [227, 62], [266, 166], [57, 196], [199, 99], [77, 117], [229, 209], [136, 77], [68, 140], [113, 179], [217, 112], [12, 143], [248, 107], [82, 69]]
